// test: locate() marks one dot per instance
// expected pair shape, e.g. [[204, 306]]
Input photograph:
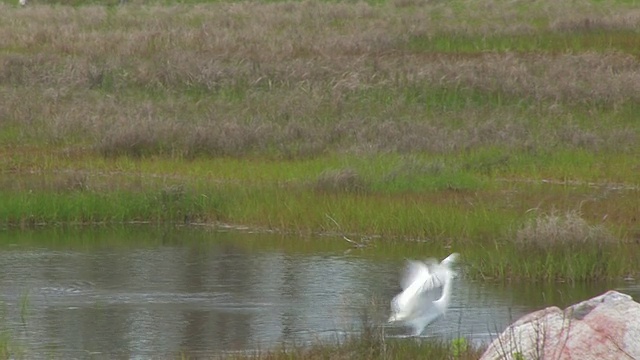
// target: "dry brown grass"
[[344, 180], [559, 230], [302, 79], [68, 181], [628, 20]]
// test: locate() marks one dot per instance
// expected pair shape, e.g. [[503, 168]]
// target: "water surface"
[[146, 292]]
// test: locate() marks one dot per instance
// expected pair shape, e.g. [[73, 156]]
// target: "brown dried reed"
[[562, 230], [302, 79], [344, 180]]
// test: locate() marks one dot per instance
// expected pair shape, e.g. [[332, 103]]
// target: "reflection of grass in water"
[[4, 346], [24, 307], [9, 348], [4, 336]]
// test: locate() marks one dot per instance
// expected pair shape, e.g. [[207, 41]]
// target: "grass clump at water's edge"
[[564, 247]]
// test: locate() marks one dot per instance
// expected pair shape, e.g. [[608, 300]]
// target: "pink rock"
[[604, 327]]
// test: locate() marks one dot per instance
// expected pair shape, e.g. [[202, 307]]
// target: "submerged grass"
[[372, 343], [364, 347], [9, 347]]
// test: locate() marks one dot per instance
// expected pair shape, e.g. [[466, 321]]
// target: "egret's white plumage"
[[426, 292]]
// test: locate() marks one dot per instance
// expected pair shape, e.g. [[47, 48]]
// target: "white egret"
[[418, 304]]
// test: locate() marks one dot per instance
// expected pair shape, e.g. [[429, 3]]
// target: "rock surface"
[[604, 327]]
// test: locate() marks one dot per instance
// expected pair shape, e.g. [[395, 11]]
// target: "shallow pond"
[[144, 292]]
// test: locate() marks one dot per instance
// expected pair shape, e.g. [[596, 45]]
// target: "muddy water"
[[149, 294]]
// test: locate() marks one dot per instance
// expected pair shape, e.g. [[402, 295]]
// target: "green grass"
[[507, 261], [80, 207], [626, 41]]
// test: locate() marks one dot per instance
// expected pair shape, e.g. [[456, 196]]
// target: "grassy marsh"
[[407, 121]]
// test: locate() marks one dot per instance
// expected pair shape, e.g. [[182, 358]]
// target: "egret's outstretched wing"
[[414, 271], [443, 271], [421, 274]]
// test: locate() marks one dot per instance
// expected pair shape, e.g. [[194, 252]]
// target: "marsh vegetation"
[[486, 127]]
